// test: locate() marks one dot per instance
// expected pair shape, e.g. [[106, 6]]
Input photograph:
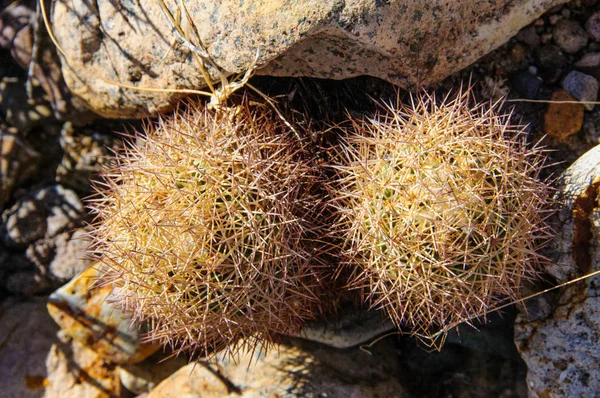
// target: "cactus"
[[440, 210], [205, 229]]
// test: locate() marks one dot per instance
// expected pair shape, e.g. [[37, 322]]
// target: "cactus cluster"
[[211, 228], [440, 208], [205, 227]]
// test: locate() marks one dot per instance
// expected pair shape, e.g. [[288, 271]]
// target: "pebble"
[[593, 25], [563, 120], [551, 61], [527, 84], [569, 36], [45, 213], [18, 162], [529, 36], [581, 86], [591, 127]]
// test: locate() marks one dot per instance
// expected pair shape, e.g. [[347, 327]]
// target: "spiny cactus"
[[205, 229], [440, 210]]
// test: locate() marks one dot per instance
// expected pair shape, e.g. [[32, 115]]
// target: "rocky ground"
[[57, 342]]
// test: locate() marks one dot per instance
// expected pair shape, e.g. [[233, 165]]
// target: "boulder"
[[408, 43], [296, 369], [559, 339]]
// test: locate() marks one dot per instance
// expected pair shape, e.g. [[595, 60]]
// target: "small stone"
[[589, 60], [583, 87], [527, 84], [529, 36], [593, 25], [563, 120], [19, 110], [18, 162], [569, 36], [23, 224], [591, 127], [348, 330], [551, 61], [590, 64], [85, 314], [44, 213], [26, 283]]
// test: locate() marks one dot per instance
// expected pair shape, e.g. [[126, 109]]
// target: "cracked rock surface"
[[559, 341], [405, 42]]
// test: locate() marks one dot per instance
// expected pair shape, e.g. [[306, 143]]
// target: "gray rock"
[[45, 213], [24, 223], [589, 60], [593, 25], [569, 36], [287, 371], [529, 36], [581, 86], [551, 61], [27, 283], [70, 257], [591, 127], [85, 152], [405, 42], [526, 84], [18, 108], [561, 349], [349, 329], [18, 162], [27, 334]]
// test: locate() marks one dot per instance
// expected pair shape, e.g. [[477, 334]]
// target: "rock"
[[26, 335], [22, 31], [15, 30], [569, 36], [84, 313], [593, 25], [26, 283], [526, 84], [85, 153], [294, 370], [529, 36], [70, 256], [405, 42], [142, 377], [561, 350], [551, 61], [75, 371], [563, 120], [61, 258], [18, 162], [590, 64], [583, 87], [45, 213], [19, 110], [591, 127], [349, 329]]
